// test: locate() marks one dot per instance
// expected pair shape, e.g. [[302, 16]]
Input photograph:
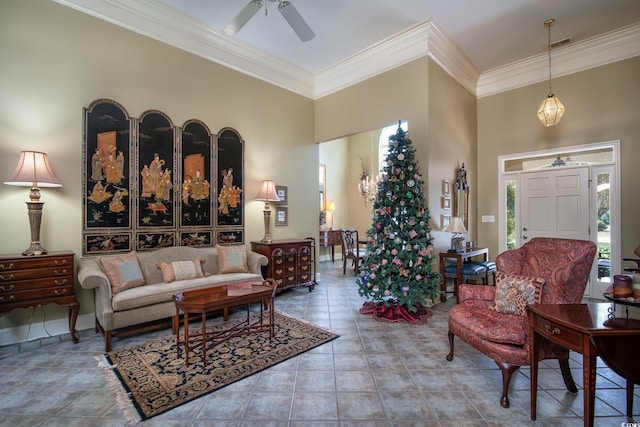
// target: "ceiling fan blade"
[[243, 17], [296, 21]]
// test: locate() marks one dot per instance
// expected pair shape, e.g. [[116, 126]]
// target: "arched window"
[[383, 143]]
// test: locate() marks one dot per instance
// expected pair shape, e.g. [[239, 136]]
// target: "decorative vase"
[[622, 286]]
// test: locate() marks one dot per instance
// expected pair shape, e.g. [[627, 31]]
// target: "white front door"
[[555, 203]]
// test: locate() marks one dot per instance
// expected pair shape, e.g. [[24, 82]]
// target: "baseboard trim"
[[52, 328]]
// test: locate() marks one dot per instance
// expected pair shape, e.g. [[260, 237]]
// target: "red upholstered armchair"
[[564, 264]]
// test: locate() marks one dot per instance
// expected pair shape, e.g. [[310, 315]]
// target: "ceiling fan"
[[288, 11]]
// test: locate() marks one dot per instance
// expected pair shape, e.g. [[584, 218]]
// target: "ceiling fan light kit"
[[286, 9]]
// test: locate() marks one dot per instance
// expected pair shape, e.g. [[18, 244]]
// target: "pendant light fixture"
[[551, 109]]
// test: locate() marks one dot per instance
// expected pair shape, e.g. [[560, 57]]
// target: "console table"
[[459, 257], [588, 329], [330, 238], [291, 262], [30, 281]]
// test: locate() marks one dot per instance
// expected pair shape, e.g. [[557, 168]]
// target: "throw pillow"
[[514, 293], [232, 259], [123, 272], [181, 270]]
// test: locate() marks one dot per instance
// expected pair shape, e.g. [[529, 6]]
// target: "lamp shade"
[[456, 226], [33, 170], [331, 206], [268, 192]]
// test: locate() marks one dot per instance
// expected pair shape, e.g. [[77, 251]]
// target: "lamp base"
[[35, 219], [457, 244], [35, 249], [267, 220]]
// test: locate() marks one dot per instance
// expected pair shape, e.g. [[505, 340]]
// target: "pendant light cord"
[[549, 23]]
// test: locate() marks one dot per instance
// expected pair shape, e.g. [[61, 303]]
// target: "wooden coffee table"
[[206, 301]]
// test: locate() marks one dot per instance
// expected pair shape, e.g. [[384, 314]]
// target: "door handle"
[[525, 237]]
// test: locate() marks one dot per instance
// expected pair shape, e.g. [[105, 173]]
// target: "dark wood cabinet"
[[291, 262], [44, 279]]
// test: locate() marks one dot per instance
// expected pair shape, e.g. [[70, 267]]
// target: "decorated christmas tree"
[[396, 275]]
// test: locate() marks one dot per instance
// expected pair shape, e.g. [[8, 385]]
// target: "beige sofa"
[[133, 309]]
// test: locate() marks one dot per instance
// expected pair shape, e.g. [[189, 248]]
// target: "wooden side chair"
[[351, 249]]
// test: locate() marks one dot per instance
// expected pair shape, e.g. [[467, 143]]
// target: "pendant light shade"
[[551, 109]]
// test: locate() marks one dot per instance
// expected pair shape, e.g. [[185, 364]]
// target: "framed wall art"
[[444, 223], [282, 216], [446, 202], [283, 194], [446, 187]]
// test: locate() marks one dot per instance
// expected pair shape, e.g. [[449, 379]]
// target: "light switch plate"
[[488, 218]]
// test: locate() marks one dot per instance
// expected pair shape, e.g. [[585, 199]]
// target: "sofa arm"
[[255, 262], [91, 276], [476, 295]]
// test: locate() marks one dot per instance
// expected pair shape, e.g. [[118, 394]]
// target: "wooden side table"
[[459, 257], [30, 281], [330, 238], [574, 326]]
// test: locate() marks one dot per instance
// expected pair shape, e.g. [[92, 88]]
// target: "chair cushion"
[[476, 323], [514, 293], [468, 270], [489, 265]]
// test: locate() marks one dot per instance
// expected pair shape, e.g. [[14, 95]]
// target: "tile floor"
[[376, 374]]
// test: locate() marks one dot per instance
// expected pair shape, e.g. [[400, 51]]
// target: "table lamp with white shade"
[[269, 194], [33, 170], [456, 226]]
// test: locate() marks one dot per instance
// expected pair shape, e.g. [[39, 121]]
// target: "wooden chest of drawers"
[[291, 262], [30, 281]]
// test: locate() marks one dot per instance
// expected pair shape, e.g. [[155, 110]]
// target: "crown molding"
[[422, 39], [605, 49], [152, 19]]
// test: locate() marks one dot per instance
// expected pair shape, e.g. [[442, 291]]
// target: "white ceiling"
[[491, 34]]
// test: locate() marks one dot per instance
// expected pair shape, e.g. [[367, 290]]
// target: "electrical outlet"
[[488, 218]]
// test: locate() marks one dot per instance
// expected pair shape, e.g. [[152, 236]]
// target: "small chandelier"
[[551, 109], [368, 187]]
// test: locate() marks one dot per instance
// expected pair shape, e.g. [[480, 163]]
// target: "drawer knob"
[[60, 283], [11, 298], [551, 331], [6, 278], [60, 272], [6, 266], [3, 288], [60, 262], [60, 292]]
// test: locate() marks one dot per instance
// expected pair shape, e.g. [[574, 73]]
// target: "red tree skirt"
[[395, 313]]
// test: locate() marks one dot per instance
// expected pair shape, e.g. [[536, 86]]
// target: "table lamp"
[[268, 194], [33, 170], [331, 207], [456, 227]]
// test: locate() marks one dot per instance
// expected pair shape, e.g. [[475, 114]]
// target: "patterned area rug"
[[151, 378]]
